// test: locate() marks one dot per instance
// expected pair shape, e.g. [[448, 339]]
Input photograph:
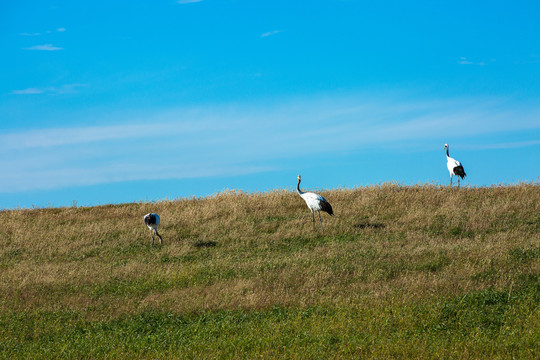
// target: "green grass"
[[474, 325], [400, 272]]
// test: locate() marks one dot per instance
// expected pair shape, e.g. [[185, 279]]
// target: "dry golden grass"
[[385, 244], [400, 272]]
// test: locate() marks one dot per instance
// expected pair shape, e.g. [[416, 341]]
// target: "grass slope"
[[400, 272]]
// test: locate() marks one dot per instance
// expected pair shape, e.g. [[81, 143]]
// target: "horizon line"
[[228, 191]]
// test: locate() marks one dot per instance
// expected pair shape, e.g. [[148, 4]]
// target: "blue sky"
[[118, 101]]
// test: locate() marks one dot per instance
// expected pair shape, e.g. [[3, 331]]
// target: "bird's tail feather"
[[325, 206], [459, 171]]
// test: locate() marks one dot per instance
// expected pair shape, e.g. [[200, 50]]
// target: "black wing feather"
[[325, 206], [459, 171]]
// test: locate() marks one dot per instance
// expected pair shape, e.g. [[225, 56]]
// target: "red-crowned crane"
[[315, 202], [454, 166], [152, 221]]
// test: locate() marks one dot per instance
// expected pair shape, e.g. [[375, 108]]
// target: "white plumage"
[[315, 202], [454, 166], [152, 221]]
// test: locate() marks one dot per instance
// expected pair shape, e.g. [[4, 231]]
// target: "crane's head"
[[445, 146], [298, 178]]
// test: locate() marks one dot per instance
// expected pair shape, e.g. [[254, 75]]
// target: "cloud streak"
[[29, 91], [64, 89], [464, 61], [505, 145], [242, 139], [46, 47], [270, 33], [61, 29]]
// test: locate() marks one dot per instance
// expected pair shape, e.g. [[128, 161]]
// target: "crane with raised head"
[[315, 202]]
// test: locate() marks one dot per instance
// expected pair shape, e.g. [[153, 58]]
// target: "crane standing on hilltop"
[[454, 166], [315, 202], [152, 221]]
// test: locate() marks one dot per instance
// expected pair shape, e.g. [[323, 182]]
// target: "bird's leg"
[[450, 180], [160, 239], [318, 212], [152, 232], [313, 220], [458, 183]]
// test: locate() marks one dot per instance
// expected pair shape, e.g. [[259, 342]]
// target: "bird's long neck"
[[447, 152], [298, 188]]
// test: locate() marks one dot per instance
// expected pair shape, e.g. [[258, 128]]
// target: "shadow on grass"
[[205, 244], [368, 225]]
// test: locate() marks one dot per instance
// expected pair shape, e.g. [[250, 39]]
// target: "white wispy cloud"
[[246, 138], [69, 88], [59, 177], [60, 29], [27, 91], [464, 61], [270, 33], [45, 47], [56, 137], [503, 145], [64, 89]]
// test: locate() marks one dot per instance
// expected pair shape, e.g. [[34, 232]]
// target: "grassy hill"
[[400, 272]]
